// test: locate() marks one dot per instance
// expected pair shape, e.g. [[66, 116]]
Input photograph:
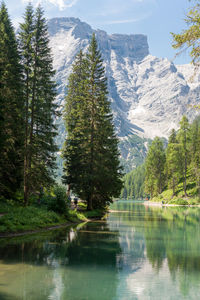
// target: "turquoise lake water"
[[139, 252]]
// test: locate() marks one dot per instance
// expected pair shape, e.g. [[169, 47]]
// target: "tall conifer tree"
[[96, 174], [195, 152], [184, 140], [174, 162], [11, 109], [154, 168], [39, 159]]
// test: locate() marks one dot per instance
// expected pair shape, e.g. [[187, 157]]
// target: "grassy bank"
[[16, 219], [179, 199]]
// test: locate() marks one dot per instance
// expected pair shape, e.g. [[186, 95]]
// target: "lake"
[[138, 252]]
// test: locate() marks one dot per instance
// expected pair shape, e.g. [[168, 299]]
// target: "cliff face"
[[148, 95]]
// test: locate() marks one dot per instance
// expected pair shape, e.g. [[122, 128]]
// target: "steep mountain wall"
[[148, 95]]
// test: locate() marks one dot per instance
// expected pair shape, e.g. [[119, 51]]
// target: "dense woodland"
[[90, 153], [27, 121], [27, 108], [174, 168]]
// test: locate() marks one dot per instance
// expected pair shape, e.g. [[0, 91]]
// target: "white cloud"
[[61, 4], [124, 21]]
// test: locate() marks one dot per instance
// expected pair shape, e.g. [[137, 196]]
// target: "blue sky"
[[154, 18]]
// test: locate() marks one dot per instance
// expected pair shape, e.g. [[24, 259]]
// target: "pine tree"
[[195, 152], [76, 116], [154, 168], [174, 161], [189, 38], [11, 109], [134, 183], [184, 140], [96, 174], [39, 158]]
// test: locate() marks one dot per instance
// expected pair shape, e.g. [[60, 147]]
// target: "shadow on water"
[[4, 296], [73, 263], [85, 246]]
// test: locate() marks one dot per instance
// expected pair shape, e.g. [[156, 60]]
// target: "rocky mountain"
[[148, 95]]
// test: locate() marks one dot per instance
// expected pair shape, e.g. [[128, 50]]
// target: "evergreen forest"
[[170, 173], [28, 111]]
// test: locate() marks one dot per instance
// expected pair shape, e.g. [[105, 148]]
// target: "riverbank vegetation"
[[171, 174], [53, 209]]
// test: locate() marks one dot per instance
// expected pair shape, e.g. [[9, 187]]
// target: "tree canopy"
[[189, 38]]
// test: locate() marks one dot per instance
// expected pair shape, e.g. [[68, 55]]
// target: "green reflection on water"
[[140, 252], [67, 264]]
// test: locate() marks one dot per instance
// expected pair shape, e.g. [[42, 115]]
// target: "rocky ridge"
[[148, 95]]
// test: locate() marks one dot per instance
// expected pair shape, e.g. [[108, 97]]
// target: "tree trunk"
[[26, 145], [89, 203], [173, 186]]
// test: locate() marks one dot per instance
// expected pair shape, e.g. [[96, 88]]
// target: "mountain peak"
[[56, 25]]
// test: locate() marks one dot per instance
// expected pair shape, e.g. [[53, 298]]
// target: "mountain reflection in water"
[[138, 253]]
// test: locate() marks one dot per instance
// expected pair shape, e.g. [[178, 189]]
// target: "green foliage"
[[75, 216], [58, 201], [135, 148], [134, 184], [40, 109], [29, 218], [182, 166], [154, 168], [6, 206], [11, 109], [174, 162], [178, 201], [189, 38], [91, 156]]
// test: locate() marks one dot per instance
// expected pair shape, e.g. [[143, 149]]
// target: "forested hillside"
[[170, 171]]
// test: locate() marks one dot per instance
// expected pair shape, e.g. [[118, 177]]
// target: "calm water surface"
[[139, 252]]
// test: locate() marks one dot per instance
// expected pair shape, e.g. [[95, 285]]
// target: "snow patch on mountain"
[[148, 95]]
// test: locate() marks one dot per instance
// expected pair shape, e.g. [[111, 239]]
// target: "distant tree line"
[[134, 184], [168, 167]]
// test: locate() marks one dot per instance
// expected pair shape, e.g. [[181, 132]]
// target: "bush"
[[58, 201], [178, 201]]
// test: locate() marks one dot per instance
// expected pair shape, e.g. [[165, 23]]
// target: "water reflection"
[[171, 257], [75, 263], [138, 253]]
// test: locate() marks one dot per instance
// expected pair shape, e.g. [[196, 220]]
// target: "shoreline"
[[149, 203], [15, 234], [48, 228]]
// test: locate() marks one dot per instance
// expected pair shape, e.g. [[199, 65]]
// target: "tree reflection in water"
[[169, 234], [62, 264]]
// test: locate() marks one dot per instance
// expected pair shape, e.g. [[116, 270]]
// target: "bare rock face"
[[148, 95]]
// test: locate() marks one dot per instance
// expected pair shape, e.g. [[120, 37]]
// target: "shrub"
[[178, 201], [58, 202]]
